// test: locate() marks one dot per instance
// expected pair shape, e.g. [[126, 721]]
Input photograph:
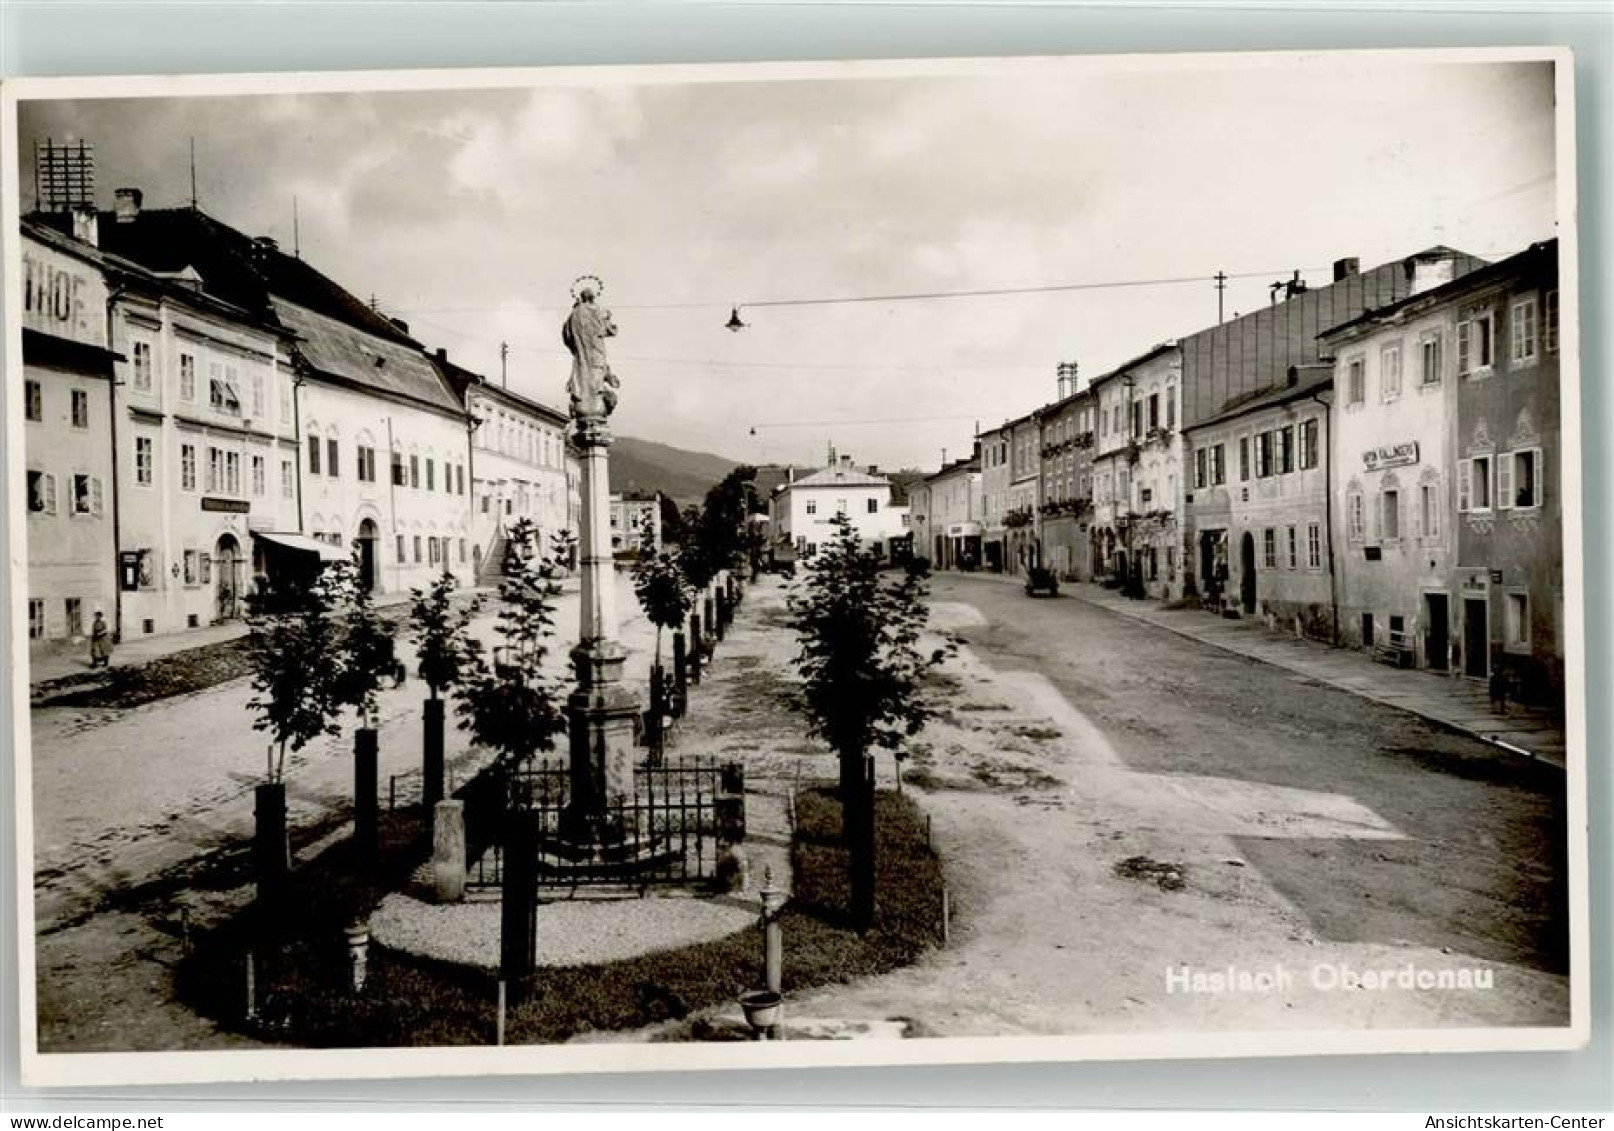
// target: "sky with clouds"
[[468, 213]]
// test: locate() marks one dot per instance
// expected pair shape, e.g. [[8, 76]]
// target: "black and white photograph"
[[1047, 558]]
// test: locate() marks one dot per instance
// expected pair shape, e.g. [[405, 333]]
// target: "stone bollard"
[[448, 851]]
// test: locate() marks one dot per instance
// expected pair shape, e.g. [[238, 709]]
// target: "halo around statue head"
[[590, 285]]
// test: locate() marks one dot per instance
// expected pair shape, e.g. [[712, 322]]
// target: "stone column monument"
[[602, 710]]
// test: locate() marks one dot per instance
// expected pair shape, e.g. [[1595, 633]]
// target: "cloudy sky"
[[470, 213]]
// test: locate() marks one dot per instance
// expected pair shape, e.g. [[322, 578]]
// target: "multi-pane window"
[[41, 492], [145, 461], [192, 567], [431, 551], [417, 549], [459, 478], [1309, 446], [1244, 459], [288, 488], [86, 494], [1269, 541], [397, 469], [1522, 331], [812, 506], [1294, 552], [1429, 357], [1390, 372], [1476, 342], [1355, 382], [81, 408], [1355, 515], [313, 455], [1285, 438], [1518, 476], [1474, 484], [873, 506], [1263, 455], [1428, 511], [431, 475], [400, 548], [1218, 461], [33, 400], [257, 395], [414, 472], [36, 618], [1390, 514], [140, 352], [1550, 329], [187, 467], [258, 476], [1314, 546], [366, 465], [1201, 468], [222, 393], [333, 461]]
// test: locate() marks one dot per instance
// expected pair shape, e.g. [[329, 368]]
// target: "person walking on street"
[[100, 642]]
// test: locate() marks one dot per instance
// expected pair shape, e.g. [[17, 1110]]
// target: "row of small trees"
[[319, 647]]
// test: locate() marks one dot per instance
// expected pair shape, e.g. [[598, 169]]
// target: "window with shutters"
[[1474, 485], [1522, 331], [1263, 454], [1390, 515], [1429, 357], [1286, 449], [86, 495], [1476, 343], [1218, 465], [1201, 466], [1355, 517], [1309, 447], [1518, 476], [41, 492], [1390, 372]]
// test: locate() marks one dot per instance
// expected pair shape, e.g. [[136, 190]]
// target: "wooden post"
[[680, 674], [518, 926], [365, 757], [431, 785], [696, 648]]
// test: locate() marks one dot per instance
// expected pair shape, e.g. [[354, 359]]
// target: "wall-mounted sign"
[[1390, 455], [62, 296], [226, 506]]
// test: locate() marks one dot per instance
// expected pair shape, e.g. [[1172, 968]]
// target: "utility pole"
[[504, 365], [1221, 288]]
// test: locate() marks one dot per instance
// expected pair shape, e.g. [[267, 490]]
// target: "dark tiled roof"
[[233, 266], [1321, 377], [336, 349]]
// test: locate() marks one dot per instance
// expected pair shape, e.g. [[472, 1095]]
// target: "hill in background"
[[645, 467]]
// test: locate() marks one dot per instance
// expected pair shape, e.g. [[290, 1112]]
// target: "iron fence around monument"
[[681, 816]]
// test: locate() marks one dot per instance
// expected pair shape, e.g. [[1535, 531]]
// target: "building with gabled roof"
[[349, 388], [801, 511]]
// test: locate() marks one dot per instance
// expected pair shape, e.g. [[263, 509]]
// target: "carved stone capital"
[[591, 432]]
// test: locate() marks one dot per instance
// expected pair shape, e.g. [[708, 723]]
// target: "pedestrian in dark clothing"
[[100, 642], [1499, 689]]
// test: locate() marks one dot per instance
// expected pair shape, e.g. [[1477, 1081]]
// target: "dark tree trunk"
[[695, 648], [862, 855]]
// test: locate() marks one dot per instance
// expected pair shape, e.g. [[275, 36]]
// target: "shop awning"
[[303, 543]]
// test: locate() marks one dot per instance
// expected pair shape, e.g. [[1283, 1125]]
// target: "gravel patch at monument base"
[[578, 932]]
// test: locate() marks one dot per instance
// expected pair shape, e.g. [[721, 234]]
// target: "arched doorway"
[[1247, 573], [227, 576], [369, 559]]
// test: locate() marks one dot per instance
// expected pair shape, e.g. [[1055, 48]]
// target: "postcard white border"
[[77, 1069]]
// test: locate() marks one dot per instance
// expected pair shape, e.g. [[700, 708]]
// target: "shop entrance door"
[[1437, 643]]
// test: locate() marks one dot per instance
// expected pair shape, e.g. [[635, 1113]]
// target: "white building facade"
[[801, 512]]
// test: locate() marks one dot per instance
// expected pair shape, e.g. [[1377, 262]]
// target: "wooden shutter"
[[1465, 474], [1504, 481], [1465, 330], [95, 496]]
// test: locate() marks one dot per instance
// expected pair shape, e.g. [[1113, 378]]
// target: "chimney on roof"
[[874, 469], [442, 353], [1345, 268], [846, 461], [86, 226], [126, 204], [1295, 286], [1429, 269]]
